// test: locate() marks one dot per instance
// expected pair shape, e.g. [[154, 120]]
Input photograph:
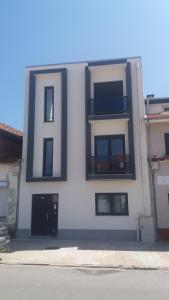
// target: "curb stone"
[[120, 267]]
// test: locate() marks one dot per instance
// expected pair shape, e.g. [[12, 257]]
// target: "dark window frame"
[[45, 104], [109, 138], [166, 145], [111, 213], [45, 140]]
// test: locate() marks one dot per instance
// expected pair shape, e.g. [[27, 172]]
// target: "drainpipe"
[[18, 193], [152, 172], [143, 153]]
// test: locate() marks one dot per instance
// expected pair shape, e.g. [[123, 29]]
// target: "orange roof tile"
[[164, 115]]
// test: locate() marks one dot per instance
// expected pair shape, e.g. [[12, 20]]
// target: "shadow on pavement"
[[56, 244]]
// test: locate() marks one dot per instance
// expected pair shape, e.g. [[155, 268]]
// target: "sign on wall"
[[3, 183], [163, 180]]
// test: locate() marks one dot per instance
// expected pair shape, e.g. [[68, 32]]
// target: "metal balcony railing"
[[117, 164], [115, 105]]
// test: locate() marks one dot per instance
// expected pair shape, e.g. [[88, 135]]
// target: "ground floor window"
[[115, 204], [3, 202]]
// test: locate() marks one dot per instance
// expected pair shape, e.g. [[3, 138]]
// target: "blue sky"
[[36, 32]]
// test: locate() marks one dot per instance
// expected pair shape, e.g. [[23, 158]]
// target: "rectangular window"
[[3, 202], [110, 145], [111, 204], [48, 157], [166, 137], [49, 104]]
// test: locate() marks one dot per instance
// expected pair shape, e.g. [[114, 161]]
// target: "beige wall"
[[156, 108], [157, 141], [162, 192], [157, 148]]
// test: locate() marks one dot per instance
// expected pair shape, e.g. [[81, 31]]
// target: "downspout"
[[140, 146], [18, 194], [140, 140], [152, 172]]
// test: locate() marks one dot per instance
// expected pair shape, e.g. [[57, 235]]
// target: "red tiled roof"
[[11, 130], [164, 115]]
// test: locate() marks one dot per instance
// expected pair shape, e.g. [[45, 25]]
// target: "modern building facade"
[[157, 121], [85, 172], [10, 161]]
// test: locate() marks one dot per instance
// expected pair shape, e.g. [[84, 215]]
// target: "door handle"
[[47, 216]]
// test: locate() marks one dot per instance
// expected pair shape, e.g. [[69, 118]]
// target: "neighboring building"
[[85, 172], [10, 159], [157, 120]]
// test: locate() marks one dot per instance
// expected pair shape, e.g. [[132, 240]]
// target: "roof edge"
[[158, 100], [85, 61]]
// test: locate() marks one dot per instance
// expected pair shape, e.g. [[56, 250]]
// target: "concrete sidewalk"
[[108, 254]]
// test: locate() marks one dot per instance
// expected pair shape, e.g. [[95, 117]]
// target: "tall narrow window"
[[48, 157], [166, 137], [49, 104]]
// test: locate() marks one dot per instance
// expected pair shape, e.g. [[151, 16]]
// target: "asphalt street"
[[44, 282]]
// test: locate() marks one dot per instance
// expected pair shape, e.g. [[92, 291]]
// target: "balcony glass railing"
[[117, 164], [115, 105]]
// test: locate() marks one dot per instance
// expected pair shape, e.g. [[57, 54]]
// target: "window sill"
[[46, 178], [109, 116], [110, 176]]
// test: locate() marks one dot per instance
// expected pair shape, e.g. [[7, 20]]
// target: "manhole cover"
[[52, 248]]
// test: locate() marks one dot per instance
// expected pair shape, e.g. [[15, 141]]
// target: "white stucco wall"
[[77, 196], [9, 173]]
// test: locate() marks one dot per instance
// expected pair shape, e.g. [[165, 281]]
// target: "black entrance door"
[[44, 214]]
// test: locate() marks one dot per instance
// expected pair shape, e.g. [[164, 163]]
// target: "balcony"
[[117, 164], [116, 106]]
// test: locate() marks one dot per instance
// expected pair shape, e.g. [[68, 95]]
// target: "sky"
[[35, 32]]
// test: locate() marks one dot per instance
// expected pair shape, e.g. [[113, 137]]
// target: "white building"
[[85, 172]]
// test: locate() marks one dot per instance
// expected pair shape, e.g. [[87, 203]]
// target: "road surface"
[[45, 283]]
